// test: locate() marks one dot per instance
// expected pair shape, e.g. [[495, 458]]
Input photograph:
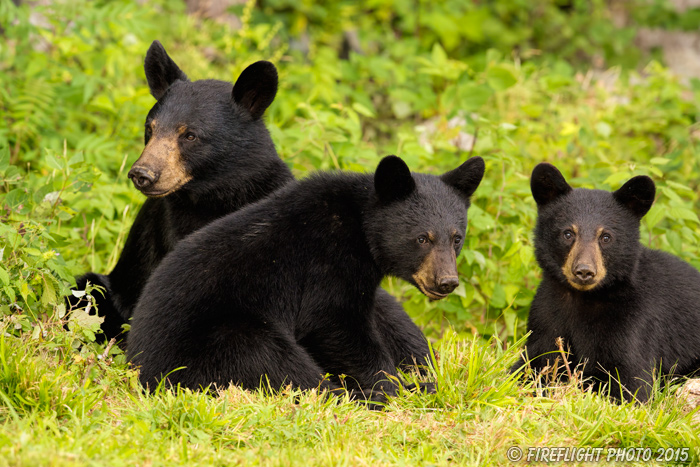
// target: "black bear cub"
[[282, 291], [624, 310], [208, 153]]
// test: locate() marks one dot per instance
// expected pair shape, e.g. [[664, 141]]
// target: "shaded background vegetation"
[[516, 82]]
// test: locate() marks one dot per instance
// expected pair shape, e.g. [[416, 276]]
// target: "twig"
[[560, 343], [102, 357]]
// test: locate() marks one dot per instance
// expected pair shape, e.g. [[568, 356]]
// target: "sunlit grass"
[[52, 415]]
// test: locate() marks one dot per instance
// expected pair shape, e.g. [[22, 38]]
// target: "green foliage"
[[663, 14], [74, 97], [572, 29]]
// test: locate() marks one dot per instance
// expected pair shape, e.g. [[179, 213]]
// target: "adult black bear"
[[208, 153], [283, 290], [623, 309]]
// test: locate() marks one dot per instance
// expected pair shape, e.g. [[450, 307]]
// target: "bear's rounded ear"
[[637, 195], [161, 70], [466, 177], [393, 180], [547, 184], [256, 88]]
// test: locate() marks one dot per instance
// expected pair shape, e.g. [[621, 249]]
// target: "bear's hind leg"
[[248, 355]]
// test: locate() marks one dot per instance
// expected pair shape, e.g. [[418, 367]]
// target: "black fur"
[[161, 70], [643, 316], [233, 163], [284, 290], [393, 180]]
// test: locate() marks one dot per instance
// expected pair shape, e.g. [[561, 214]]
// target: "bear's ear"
[[637, 195], [466, 177], [393, 180], [547, 184], [256, 88], [161, 71]]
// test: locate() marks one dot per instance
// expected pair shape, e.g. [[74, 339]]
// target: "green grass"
[[67, 411]]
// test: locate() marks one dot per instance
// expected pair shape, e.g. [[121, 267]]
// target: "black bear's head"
[[417, 224], [588, 239], [198, 132]]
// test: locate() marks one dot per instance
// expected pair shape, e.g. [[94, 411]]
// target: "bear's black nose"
[[584, 272], [447, 284], [142, 178]]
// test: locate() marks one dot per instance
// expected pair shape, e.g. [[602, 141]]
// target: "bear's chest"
[[601, 332]]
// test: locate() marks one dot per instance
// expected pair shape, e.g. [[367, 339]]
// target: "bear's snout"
[[584, 266], [585, 272], [143, 178], [447, 284], [437, 275]]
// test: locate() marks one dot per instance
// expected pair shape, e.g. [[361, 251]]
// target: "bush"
[[433, 85]]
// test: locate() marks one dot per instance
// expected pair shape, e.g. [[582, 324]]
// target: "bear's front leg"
[[404, 341], [355, 353], [631, 382]]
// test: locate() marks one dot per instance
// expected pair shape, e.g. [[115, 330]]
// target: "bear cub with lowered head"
[[282, 292], [624, 310]]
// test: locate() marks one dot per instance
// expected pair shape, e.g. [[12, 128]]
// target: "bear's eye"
[[568, 234], [606, 238], [422, 239], [190, 136], [457, 239]]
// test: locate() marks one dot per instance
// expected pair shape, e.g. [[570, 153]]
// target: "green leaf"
[[4, 276], [24, 290], [9, 291], [498, 297], [363, 110], [500, 77], [674, 239], [616, 179], [49, 294], [473, 96], [679, 212], [659, 160], [438, 55], [480, 259], [61, 310], [52, 162], [654, 216], [76, 159], [86, 321], [4, 158]]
